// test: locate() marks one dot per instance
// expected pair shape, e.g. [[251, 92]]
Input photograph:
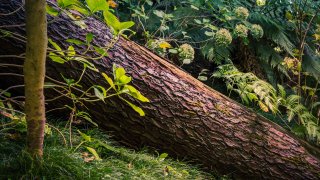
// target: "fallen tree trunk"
[[184, 116]]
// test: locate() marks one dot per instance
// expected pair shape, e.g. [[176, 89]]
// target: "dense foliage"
[[267, 52]]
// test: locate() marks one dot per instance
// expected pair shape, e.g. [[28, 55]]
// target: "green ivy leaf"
[[71, 51], [56, 46], [125, 25], [136, 108], [125, 79], [52, 11], [136, 94], [101, 51], [120, 72], [109, 80], [97, 5], [55, 58], [89, 38], [75, 41], [100, 92]]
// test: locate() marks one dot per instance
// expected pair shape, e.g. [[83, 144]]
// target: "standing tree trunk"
[[185, 117], [34, 74]]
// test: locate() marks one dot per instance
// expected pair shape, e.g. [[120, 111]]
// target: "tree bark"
[[185, 117], [34, 74]]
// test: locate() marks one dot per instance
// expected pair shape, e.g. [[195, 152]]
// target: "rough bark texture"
[[184, 117], [34, 74]]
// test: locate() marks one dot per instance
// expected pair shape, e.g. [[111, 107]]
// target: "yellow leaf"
[[263, 107], [164, 45]]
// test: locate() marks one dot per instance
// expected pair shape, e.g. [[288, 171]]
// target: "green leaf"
[[86, 63], [94, 153], [66, 3], [86, 116], [120, 72], [52, 11], [109, 80], [209, 33], [203, 78], [75, 41], [85, 136], [97, 5], [100, 92], [111, 20], [101, 51], [136, 94], [125, 25], [136, 108], [197, 21], [55, 58], [159, 13], [89, 38], [163, 156], [125, 79], [68, 81], [71, 51], [56, 46]]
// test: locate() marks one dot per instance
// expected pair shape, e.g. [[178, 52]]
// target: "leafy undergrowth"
[[80, 162]]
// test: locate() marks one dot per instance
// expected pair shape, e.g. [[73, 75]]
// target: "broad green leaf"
[[54, 57], [52, 11], [120, 72], [109, 80], [197, 21], [67, 3], [203, 78], [71, 51], [101, 51], [137, 109], [111, 20], [159, 13], [209, 33], [68, 81], [100, 92], [136, 94], [75, 41], [97, 5], [163, 156], [56, 46], [86, 63], [125, 25], [125, 79], [89, 38], [94, 153]]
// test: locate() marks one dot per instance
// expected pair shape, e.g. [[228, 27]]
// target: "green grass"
[[63, 162]]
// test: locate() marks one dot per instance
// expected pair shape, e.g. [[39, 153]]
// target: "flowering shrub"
[[242, 13], [241, 31], [256, 31], [223, 37], [186, 53]]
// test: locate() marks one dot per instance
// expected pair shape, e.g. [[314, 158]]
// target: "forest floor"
[[92, 156]]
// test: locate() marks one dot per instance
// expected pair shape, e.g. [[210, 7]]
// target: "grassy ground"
[[62, 161]]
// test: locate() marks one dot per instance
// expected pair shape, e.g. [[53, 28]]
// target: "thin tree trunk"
[[34, 74], [185, 117]]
